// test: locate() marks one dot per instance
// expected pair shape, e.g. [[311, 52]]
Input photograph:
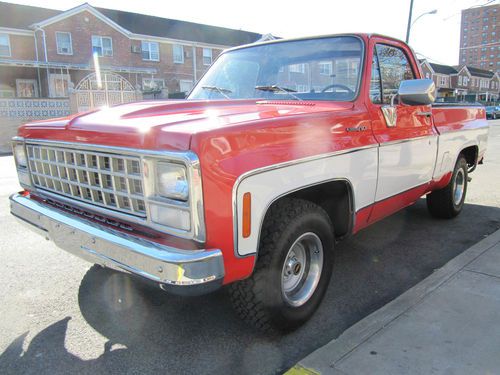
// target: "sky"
[[433, 36]]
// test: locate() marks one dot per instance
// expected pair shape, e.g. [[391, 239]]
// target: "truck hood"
[[166, 125]]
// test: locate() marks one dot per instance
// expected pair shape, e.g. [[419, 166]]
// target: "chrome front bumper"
[[180, 271]]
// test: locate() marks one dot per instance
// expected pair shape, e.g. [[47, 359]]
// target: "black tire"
[[442, 203], [260, 300]]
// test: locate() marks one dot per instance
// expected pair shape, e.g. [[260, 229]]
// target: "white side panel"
[[359, 167], [451, 143], [405, 165]]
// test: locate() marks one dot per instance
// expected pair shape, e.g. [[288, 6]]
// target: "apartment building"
[[105, 55], [480, 37]]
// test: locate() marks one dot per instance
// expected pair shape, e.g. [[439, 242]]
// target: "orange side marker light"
[[247, 215]]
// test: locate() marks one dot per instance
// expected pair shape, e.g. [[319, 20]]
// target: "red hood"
[[166, 125]]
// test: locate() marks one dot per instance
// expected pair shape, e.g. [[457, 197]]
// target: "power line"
[[471, 7], [430, 58]]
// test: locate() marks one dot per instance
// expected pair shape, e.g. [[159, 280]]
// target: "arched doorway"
[[110, 89]]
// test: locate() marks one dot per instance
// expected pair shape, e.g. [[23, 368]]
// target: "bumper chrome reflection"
[[168, 266]]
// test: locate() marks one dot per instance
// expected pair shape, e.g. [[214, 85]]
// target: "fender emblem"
[[357, 129]]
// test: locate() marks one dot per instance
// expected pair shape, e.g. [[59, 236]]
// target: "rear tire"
[[293, 268], [448, 202]]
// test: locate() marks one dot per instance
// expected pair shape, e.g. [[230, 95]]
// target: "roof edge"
[[78, 9]]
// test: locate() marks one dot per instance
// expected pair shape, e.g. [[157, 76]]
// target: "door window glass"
[[394, 68]]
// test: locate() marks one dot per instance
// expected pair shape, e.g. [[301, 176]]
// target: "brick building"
[[480, 37], [105, 55], [463, 82]]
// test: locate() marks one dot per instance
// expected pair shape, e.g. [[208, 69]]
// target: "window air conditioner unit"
[[136, 49], [187, 54]]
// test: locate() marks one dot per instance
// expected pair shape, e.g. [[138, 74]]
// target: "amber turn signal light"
[[247, 214]]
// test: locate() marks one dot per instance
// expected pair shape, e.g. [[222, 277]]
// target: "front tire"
[[448, 202], [293, 268]]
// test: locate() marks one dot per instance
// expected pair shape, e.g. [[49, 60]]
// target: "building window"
[[207, 56], [185, 85], [64, 45], [150, 51], [102, 45], [427, 75], [325, 68], [5, 45], [178, 51], [297, 68], [466, 81], [442, 80], [152, 84], [460, 80], [58, 85], [26, 88], [302, 88]]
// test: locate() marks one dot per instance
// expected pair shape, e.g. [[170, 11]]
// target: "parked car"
[[492, 112], [281, 150]]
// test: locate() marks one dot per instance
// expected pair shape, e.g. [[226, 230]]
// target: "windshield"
[[312, 69]]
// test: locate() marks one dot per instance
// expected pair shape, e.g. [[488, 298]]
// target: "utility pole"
[[409, 22]]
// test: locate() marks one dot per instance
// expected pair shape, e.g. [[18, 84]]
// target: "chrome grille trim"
[[103, 179], [148, 159]]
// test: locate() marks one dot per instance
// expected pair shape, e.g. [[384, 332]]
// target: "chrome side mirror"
[[417, 92]]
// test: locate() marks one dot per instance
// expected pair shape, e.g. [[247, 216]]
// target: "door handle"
[[424, 113]]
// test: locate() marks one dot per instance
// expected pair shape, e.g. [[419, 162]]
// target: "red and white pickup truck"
[[282, 149]]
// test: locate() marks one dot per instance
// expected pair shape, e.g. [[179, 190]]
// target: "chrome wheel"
[[302, 269], [458, 187]]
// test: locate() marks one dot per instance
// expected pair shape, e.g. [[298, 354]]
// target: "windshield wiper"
[[220, 90], [275, 88]]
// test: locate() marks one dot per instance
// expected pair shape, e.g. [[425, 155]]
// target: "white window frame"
[[8, 44], [145, 79], [59, 52], [148, 50], [101, 45], [323, 64], [174, 46], [297, 68], [300, 87], [185, 81], [209, 55], [35, 86], [460, 80]]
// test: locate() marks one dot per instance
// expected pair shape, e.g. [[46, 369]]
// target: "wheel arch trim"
[[327, 179]]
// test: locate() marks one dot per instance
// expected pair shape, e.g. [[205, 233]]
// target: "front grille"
[[103, 179]]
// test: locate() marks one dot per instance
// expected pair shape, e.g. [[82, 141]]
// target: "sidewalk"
[[447, 324]]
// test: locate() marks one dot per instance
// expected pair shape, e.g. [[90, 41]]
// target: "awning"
[[71, 66]]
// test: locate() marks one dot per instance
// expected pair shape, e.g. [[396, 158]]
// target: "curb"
[[324, 359]]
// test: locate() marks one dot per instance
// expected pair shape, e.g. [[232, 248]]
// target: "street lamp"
[[410, 24]]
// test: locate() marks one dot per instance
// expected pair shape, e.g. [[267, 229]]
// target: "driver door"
[[408, 142]]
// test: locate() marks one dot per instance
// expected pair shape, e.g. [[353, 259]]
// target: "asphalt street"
[[59, 314]]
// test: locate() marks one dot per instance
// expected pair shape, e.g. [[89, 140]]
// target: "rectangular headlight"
[[171, 181], [20, 155]]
